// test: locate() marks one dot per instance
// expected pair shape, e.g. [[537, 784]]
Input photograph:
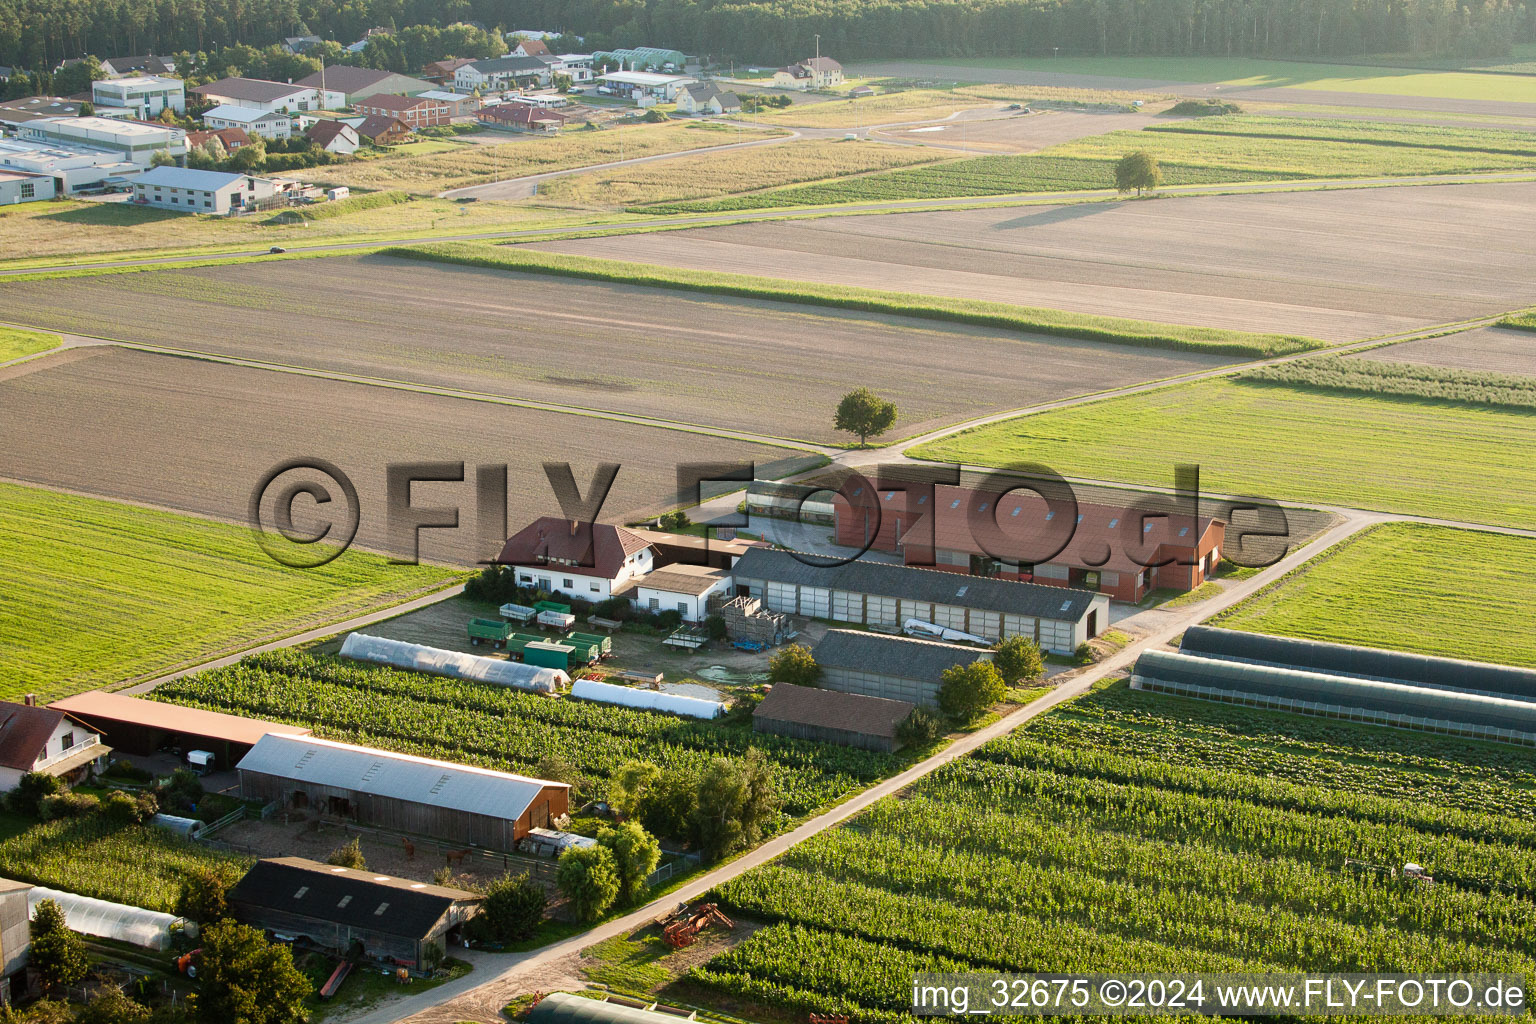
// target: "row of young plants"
[[502, 728], [1405, 380], [1090, 842], [1376, 133]]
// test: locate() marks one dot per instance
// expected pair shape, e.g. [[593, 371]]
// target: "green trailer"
[[547, 654], [552, 606], [495, 630], [584, 652], [604, 643], [517, 641]]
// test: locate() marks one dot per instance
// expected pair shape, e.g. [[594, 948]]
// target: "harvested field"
[[1015, 133], [197, 436], [1333, 265], [1495, 349], [769, 367]]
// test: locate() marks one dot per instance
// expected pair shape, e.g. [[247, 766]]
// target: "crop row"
[[1478, 140], [476, 722], [1409, 380]]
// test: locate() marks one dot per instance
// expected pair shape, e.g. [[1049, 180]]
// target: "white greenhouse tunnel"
[[105, 920]]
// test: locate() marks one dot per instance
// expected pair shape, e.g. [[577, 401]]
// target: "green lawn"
[[1389, 453], [97, 593], [15, 343], [1261, 74], [1409, 587]]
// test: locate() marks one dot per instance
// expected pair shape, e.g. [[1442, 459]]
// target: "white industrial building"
[[131, 141], [644, 87], [71, 169], [269, 124], [260, 94], [25, 187], [143, 96], [189, 191]]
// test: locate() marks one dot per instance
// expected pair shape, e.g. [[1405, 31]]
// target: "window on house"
[[66, 741], [594, 588], [567, 584]]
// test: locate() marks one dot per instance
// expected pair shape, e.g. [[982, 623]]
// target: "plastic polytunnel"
[[648, 700], [362, 647], [105, 920]]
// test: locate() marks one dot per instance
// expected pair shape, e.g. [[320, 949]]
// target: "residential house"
[[269, 124], [576, 65], [142, 96], [25, 187], [34, 739], [334, 137], [136, 142], [362, 44], [299, 45], [707, 98], [342, 86], [230, 138], [499, 73], [258, 94], [147, 64], [415, 111], [522, 117], [184, 190], [530, 48], [816, 73], [586, 560], [442, 71], [383, 129], [686, 589]]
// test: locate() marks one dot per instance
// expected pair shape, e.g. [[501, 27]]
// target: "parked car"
[[276, 250]]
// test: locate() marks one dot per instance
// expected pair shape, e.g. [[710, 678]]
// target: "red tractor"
[[684, 930], [187, 962]]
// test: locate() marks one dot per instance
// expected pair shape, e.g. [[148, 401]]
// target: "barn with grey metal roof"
[[400, 792], [882, 595], [891, 667]]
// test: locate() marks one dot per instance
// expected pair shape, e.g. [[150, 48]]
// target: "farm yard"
[[497, 727], [1333, 265], [1126, 832], [197, 436], [469, 163], [99, 593], [772, 367], [1368, 591], [1358, 450], [714, 174], [1200, 151]]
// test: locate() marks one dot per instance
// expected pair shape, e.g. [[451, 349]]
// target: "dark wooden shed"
[[830, 716]]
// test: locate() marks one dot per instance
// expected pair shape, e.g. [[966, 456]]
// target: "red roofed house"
[[415, 111], [587, 560], [443, 70], [522, 117], [530, 48], [334, 136], [34, 739], [1111, 549], [231, 138]]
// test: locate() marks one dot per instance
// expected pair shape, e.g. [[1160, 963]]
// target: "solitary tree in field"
[[864, 413], [1137, 171]]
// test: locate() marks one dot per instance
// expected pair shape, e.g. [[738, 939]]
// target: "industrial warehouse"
[[417, 795], [887, 596]]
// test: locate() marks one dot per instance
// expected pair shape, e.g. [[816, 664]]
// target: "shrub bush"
[[921, 726], [66, 805], [349, 855]]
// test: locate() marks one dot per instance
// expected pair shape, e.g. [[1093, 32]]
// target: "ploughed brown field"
[[197, 436], [1496, 349], [768, 367], [1335, 265]]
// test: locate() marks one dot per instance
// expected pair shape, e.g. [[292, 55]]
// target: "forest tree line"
[[38, 34]]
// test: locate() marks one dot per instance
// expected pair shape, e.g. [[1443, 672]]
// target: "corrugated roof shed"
[[901, 581], [898, 656], [833, 709], [359, 899], [98, 705], [397, 776]]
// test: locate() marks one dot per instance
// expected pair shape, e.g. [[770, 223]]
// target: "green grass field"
[[16, 343], [1408, 587], [98, 593], [1271, 74], [973, 311], [1390, 453]]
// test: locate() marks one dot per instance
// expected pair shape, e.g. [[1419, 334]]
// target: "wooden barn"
[[829, 716], [139, 726], [452, 802], [353, 912]]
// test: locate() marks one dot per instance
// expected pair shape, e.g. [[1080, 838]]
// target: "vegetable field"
[[1370, 591], [1396, 454], [140, 865], [99, 593], [506, 729], [1410, 380], [1133, 832]]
